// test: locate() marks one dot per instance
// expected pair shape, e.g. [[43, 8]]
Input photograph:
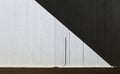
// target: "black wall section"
[[96, 22], [116, 31]]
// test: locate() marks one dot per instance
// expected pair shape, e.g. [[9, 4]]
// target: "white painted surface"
[[61, 38], [26, 34], [102, 62], [76, 51], [19, 39], [92, 59], [43, 35], [6, 31], [13, 32], [31, 36], [89, 56]]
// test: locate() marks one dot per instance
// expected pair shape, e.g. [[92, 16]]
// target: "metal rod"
[[65, 51]]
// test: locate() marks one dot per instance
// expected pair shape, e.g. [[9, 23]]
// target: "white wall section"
[[76, 50], [31, 36], [42, 35], [61, 41], [90, 58]]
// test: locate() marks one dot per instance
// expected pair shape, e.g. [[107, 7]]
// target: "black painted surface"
[[116, 31], [96, 22]]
